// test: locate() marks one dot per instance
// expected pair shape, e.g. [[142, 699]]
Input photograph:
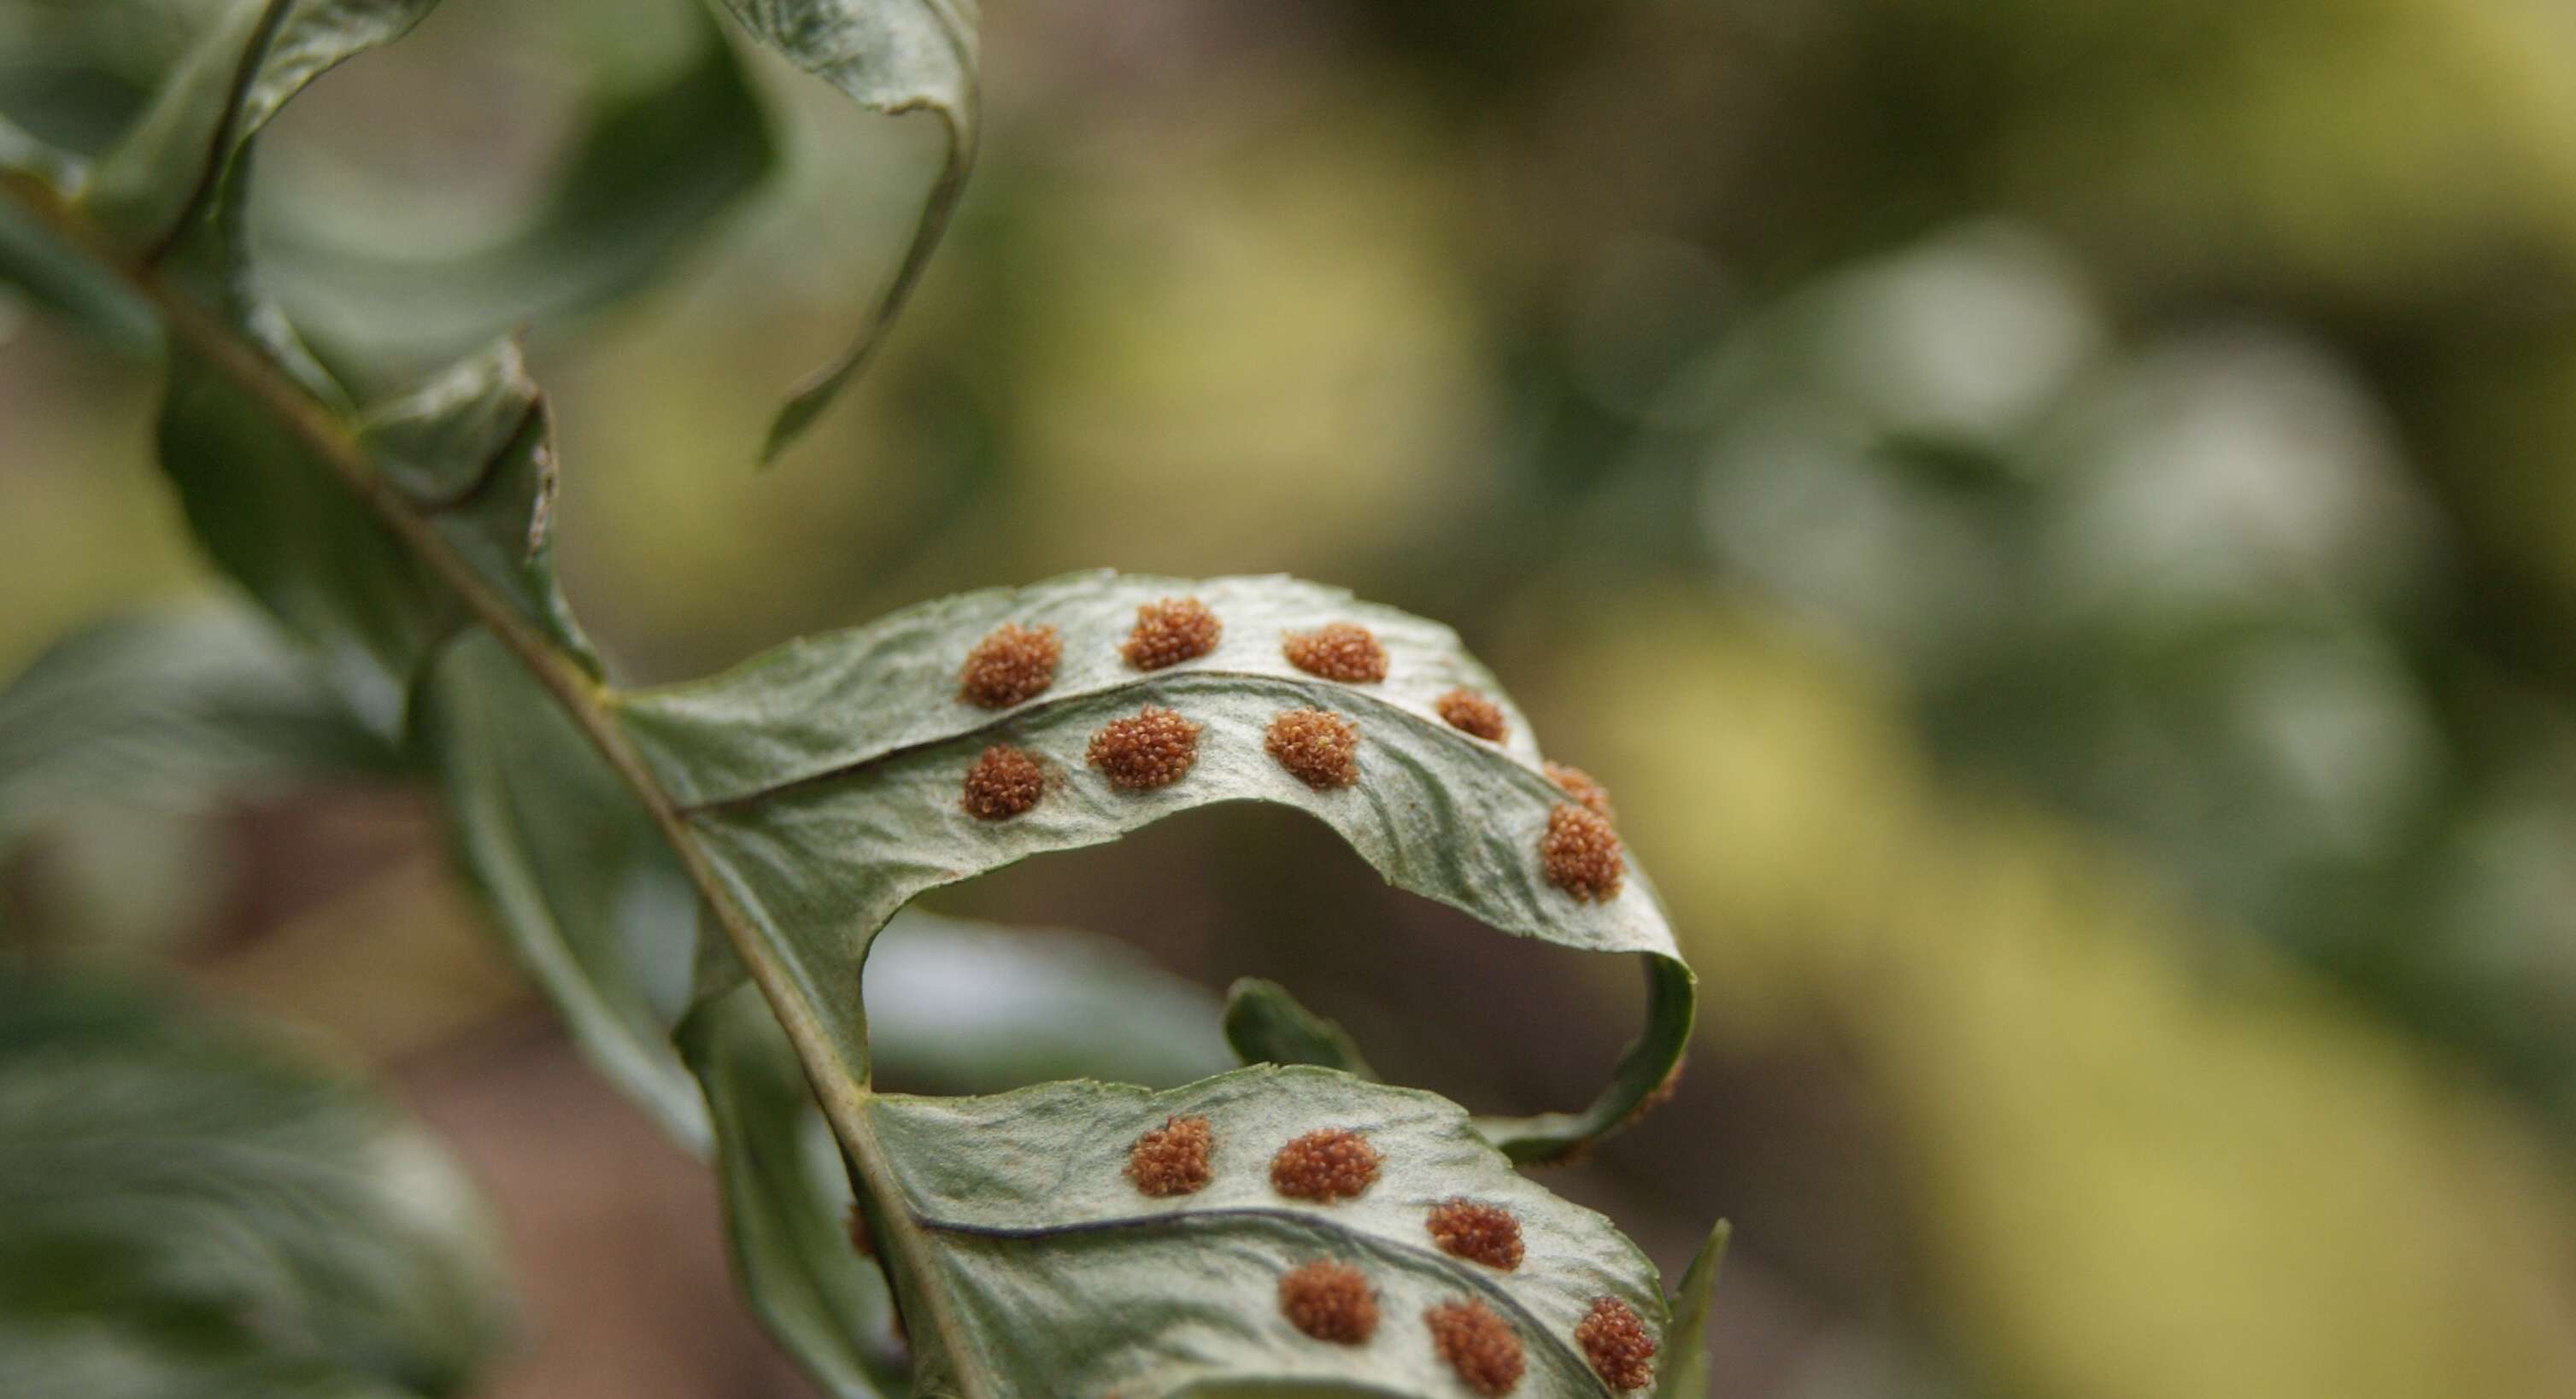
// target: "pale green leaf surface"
[[961, 1004], [824, 780], [894, 56], [1050, 1272], [187, 1210]]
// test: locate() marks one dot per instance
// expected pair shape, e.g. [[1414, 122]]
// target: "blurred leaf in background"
[[187, 1209]]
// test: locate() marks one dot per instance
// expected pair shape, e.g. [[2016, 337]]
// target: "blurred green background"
[[2054, 521]]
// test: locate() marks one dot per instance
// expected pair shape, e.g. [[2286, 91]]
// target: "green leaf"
[[962, 1004], [469, 452], [187, 1210], [1683, 1373], [787, 1201], [658, 160], [823, 781], [175, 168], [894, 56], [970, 1007], [1035, 1264], [267, 509], [589, 898], [1266, 1025], [473, 450], [169, 710]]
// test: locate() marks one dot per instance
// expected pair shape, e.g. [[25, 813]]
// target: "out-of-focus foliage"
[[188, 1210]]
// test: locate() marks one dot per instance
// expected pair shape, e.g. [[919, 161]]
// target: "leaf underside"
[[817, 791], [825, 781]]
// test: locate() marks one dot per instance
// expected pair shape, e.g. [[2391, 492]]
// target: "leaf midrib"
[[584, 699]]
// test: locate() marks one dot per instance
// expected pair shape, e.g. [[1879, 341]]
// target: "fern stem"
[[584, 700]]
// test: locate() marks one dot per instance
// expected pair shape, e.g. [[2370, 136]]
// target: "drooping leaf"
[[188, 1210], [591, 902], [824, 783], [894, 56], [1683, 1373], [174, 169], [788, 1204], [1030, 1260], [1266, 1025], [658, 159]]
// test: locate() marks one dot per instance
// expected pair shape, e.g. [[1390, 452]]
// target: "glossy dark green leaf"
[[823, 780], [1266, 1025], [1030, 1262], [894, 56], [187, 1210], [1683, 1370]]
